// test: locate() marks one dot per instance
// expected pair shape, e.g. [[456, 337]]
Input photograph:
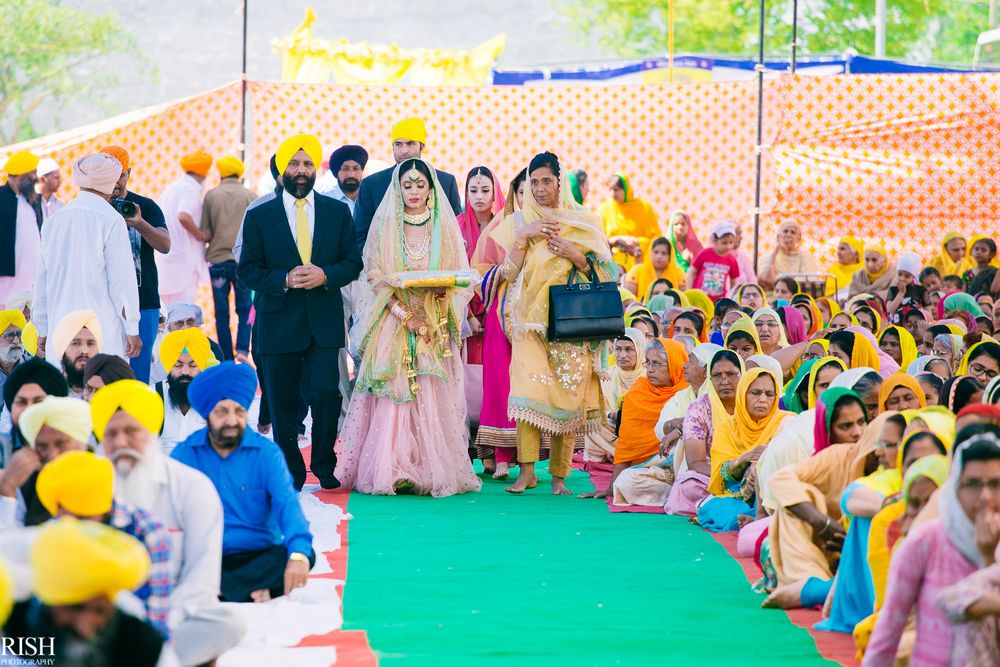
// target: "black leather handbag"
[[585, 311]]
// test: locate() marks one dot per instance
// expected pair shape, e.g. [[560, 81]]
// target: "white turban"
[[98, 171], [46, 166], [66, 331], [68, 415]]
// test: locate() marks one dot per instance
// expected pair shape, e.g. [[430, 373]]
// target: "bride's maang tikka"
[[413, 175]]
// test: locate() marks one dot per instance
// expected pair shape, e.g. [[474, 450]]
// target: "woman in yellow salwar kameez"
[[629, 223], [555, 387]]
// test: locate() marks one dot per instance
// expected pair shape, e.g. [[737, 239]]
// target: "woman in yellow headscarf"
[[743, 338], [702, 302], [899, 344], [806, 305], [659, 264], [854, 350], [629, 223], [876, 276], [954, 258], [829, 308], [737, 443], [554, 385], [850, 260]]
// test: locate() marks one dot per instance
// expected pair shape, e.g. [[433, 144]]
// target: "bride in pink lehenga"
[[406, 429]]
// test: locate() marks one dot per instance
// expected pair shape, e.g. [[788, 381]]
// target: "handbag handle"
[[573, 272]]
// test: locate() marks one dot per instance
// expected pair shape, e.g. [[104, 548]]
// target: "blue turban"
[[237, 382], [345, 153]]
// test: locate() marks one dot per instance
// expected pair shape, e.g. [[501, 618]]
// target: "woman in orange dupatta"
[[637, 441]]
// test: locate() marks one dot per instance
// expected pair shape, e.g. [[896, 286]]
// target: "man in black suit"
[[299, 249], [408, 138], [20, 219]]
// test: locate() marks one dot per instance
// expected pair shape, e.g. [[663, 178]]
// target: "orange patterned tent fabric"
[[895, 157]]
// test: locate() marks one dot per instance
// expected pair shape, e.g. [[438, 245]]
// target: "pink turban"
[[98, 171]]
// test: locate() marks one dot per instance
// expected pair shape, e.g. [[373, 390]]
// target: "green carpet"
[[492, 579]]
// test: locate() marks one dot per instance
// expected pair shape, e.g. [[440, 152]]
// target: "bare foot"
[[263, 429], [788, 596], [502, 471], [522, 483], [263, 595], [603, 493], [559, 487]]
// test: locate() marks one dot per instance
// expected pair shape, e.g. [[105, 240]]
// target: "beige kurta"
[[820, 479]]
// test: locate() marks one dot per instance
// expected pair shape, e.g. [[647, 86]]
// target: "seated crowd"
[[846, 423], [130, 512]]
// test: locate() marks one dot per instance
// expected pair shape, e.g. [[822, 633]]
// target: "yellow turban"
[[292, 145], [134, 397], [68, 328], [66, 415], [198, 162], [410, 129], [230, 166], [80, 482], [192, 341], [29, 336], [20, 163], [9, 317], [75, 561], [6, 592]]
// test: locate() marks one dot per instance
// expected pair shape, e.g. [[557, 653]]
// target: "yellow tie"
[[303, 239]]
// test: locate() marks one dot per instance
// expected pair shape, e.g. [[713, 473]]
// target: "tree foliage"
[[923, 30], [48, 55]]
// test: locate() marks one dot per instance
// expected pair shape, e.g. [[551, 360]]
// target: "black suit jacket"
[[289, 319], [373, 190]]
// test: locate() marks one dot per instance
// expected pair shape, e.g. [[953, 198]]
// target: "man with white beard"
[[126, 415], [184, 354], [12, 350]]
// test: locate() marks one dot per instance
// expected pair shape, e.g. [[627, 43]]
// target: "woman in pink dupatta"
[[496, 438], [483, 200]]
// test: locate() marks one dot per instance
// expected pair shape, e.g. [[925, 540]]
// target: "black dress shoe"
[[328, 482]]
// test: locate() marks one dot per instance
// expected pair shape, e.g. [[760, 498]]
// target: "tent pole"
[[795, 31], [759, 68], [243, 95]]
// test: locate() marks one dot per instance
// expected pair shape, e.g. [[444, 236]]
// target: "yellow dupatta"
[[845, 272], [731, 438], [633, 217], [645, 274], [943, 261]]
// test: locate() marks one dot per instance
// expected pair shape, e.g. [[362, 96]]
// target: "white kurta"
[[86, 264], [177, 426], [183, 268], [27, 247]]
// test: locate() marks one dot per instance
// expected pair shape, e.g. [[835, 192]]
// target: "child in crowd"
[[714, 269], [952, 283], [980, 278], [930, 279], [905, 290]]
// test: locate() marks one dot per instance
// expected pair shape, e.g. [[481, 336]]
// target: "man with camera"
[[86, 262], [147, 232]]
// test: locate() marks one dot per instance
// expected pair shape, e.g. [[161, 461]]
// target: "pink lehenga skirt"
[[424, 440]]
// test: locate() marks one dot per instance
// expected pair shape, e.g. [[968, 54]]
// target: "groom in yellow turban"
[[409, 137], [298, 251]]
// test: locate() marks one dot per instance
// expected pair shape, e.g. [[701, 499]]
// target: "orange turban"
[[198, 162], [118, 153]]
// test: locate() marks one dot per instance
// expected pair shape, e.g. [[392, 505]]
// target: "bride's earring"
[[430, 201]]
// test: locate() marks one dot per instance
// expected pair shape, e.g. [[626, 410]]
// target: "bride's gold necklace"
[[417, 219]]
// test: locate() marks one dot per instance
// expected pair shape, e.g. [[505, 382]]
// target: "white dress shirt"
[[335, 192], [86, 263], [184, 267], [177, 426], [292, 211]]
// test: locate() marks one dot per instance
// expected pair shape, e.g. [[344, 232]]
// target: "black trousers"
[[283, 375], [244, 572]]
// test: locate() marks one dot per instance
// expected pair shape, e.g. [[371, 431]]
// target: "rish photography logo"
[[39, 650]]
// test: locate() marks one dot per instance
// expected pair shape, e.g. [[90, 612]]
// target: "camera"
[[127, 208]]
